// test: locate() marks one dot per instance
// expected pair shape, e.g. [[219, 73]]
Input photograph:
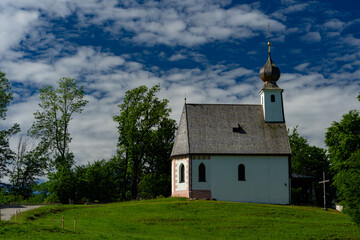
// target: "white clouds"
[[301, 67], [179, 23], [15, 24], [177, 57], [311, 37], [291, 7], [334, 24], [85, 61], [315, 108], [352, 41]]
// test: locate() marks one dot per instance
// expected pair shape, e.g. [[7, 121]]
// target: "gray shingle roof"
[[228, 129]]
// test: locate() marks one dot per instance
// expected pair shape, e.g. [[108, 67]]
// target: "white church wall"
[[266, 179], [196, 185], [273, 111]]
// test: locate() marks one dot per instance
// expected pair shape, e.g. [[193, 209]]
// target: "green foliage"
[[5, 95], [309, 161], [28, 166], [6, 154], [146, 135], [343, 141], [99, 181], [178, 218], [52, 123], [62, 182], [7, 198], [52, 198], [51, 126], [153, 185]]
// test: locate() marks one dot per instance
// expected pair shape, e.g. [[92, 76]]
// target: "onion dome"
[[270, 73]]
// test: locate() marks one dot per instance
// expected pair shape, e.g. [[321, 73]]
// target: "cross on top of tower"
[[269, 73]]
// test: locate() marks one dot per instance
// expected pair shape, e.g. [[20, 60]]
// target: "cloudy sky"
[[211, 51]]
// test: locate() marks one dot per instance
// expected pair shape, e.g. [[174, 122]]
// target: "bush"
[[53, 198], [153, 185]]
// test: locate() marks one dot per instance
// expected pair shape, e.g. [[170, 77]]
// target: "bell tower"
[[271, 94]]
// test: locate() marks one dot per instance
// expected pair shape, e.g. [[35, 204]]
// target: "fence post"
[[62, 221], [75, 224]]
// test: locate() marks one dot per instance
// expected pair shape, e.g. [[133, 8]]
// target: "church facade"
[[235, 152]]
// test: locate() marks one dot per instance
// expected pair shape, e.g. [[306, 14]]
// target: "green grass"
[[181, 219]]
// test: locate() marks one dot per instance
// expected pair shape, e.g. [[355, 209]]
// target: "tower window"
[[272, 98], [182, 173], [241, 172], [202, 173]]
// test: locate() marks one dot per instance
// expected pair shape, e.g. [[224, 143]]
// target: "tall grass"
[[181, 219]]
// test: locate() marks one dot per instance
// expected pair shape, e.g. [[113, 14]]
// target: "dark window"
[[202, 173], [182, 173], [273, 98], [241, 172]]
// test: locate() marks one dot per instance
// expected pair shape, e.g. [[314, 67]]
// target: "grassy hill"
[[174, 218]]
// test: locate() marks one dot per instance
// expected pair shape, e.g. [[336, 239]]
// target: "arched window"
[[272, 98], [182, 173], [202, 173], [241, 172]]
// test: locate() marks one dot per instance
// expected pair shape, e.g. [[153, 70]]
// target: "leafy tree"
[[99, 181], [146, 135], [154, 184], [6, 155], [309, 161], [28, 166], [343, 141], [51, 126]]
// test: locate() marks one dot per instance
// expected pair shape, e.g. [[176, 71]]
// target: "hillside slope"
[[174, 218]]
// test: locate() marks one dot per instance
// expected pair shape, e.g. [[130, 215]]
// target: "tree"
[[343, 142], [28, 166], [99, 181], [145, 136], [6, 155], [309, 161], [52, 127]]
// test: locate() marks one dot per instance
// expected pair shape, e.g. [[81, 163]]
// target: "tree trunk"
[[123, 189]]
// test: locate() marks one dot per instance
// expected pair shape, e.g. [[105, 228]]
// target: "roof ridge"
[[226, 104]]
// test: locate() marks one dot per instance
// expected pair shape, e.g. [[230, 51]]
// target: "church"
[[234, 152]]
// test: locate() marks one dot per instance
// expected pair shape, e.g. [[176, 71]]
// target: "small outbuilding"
[[235, 152]]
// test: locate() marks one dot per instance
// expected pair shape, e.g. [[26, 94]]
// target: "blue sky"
[[210, 50]]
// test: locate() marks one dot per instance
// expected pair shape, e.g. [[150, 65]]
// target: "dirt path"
[[8, 211]]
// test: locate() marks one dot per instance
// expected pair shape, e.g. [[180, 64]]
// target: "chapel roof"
[[229, 129]]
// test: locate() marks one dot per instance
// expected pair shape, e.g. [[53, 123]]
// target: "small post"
[[75, 224], [62, 221], [323, 182], [16, 215]]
